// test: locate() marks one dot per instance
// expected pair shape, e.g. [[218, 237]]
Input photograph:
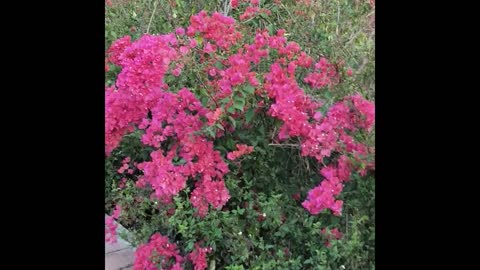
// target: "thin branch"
[[226, 7], [284, 145], [151, 17], [338, 17]]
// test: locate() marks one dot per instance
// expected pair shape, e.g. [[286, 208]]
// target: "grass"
[[342, 30]]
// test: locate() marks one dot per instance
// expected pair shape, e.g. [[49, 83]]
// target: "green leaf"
[[210, 132], [248, 89], [199, 40], [230, 143], [231, 109], [218, 65], [270, 29], [179, 3], [239, 103], [218, 125], [189, 246], [225, 100], [249, 115], [234, 123]]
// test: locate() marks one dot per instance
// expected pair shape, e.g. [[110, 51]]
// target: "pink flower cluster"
[[320, 135], [144, 64], [178, 116], [125, 166], [111, 226], [122, 183], [249, 13], [234, 3], [252, 8], [237, 70], [330, 133], [157, 251], [333, 234], [209, 192], [323, 196], [217, 28], [243, 149], [291, 105], [325, 75], [323, 137], [365, 117], [199, 257], [214, 116]]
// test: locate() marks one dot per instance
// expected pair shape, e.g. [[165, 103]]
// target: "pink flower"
[[349, 72], [176, 72], [209, 48], [325, 75], [123, 168], [199, 257], [180, 31], [117, 211], [110, 230], [214, 116], [242, 150], [121, 185], [193, 43], [332, 234], [184, 50], [147, 255], [249, 13], [111, 226], [117, 48], [212, 72]]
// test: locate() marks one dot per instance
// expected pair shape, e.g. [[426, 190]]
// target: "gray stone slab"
[[119, 245], [119, 260]]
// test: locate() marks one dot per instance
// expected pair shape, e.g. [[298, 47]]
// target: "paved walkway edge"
[[119, 256]]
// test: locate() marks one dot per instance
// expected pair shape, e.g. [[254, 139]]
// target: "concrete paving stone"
[[119, 245], [119, 260]]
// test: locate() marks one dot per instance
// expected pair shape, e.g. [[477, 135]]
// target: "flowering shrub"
[[213, 110]]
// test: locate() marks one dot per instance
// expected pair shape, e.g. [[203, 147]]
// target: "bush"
[[229, 147]]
